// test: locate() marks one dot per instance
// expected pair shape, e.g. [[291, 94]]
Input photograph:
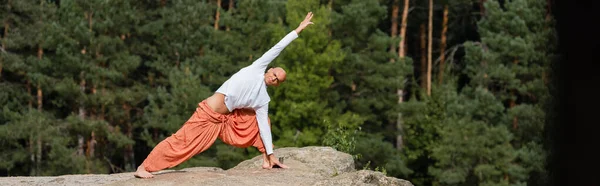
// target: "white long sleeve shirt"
[[247, 89]]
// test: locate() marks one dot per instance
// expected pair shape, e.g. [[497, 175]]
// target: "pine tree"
[[366, 82], [503, 103]]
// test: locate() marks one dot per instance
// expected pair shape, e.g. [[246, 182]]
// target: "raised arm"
[[272, 53]]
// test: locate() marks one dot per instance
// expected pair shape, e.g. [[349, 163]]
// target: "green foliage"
[[479, 104], [342, 134], [531, 120], [366, 82], [39, 131], [167, 110], [472, 148], [495, 125], [117, 77], [299, 110], [374, 153], [422, 124]]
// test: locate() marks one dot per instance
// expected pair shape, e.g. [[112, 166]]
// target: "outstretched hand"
[[305, 22], [274, 161]]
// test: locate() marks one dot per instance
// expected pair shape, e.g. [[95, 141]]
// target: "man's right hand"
[[305, 23]]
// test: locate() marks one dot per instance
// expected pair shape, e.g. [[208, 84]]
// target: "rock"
[[308, 166], [363, 177], [325, 161]]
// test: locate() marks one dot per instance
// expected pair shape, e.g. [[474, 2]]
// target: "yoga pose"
[[237, 113]]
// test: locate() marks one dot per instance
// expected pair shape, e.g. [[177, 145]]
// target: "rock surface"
[[308, 166]]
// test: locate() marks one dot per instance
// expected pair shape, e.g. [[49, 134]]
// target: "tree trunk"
[[394, 21], [28, 87], [177, 60], [330, 7], [482, 7], [3, 44], [6, 25], [399, 122], [430, 30], [401, 50], [82, 84], [33, 171], [163, 3], [443, 45], [513, 102], [1, 60], [102, 110], [5, 33], [423, 57], [218, 15], [89, 152], [549, 6], [40, 53], [400, 92], [129, 155], [230, 10], [38, 152], [93, 114], [102, 88], [79, 145], [90, 145], [88, 16], [81, 113], [549, 10], [39, 97]]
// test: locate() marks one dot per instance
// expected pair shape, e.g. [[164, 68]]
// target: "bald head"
[[275, 76]]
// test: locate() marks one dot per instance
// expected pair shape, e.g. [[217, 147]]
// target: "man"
[[232, 114]]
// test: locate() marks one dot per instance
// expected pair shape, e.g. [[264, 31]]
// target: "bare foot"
[[142, 173], [266, 164]]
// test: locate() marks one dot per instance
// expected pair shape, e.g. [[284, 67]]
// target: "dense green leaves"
[[490, 132], [114, 78]]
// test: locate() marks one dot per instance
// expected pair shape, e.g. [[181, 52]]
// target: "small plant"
[[378, 168], [336, 173], [341, 134], [366, 167], [381, 169]]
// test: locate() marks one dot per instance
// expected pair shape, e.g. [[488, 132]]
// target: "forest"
[[436, 92]]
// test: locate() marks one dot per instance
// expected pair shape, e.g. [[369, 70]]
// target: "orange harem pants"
[[238, 128]]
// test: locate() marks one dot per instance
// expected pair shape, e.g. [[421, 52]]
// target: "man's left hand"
[[274, 161], [305, 22]]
